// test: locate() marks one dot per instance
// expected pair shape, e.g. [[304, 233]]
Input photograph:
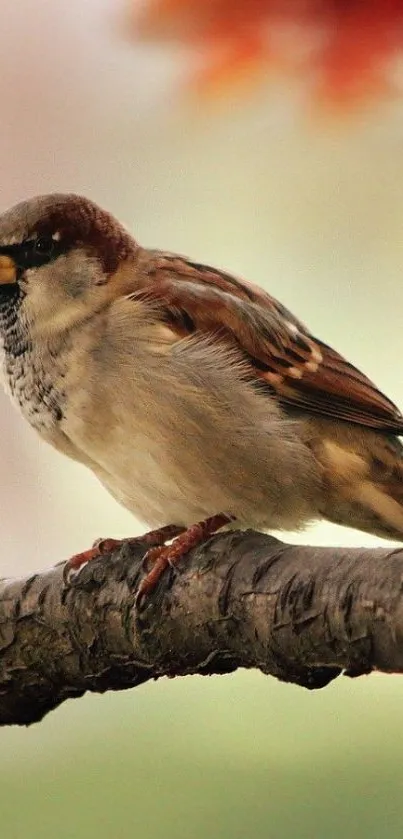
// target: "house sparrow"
[[192, 395]]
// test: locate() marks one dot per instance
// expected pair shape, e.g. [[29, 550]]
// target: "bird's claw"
[[159, 555], [163, 556]]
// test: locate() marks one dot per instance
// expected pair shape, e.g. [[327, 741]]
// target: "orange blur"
[[345, 48]]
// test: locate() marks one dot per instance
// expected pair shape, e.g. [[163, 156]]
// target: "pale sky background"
[[312, 211]]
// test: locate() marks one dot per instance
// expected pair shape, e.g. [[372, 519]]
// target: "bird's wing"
[[282, 354]]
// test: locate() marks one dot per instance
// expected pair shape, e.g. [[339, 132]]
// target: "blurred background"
[[265, 138]]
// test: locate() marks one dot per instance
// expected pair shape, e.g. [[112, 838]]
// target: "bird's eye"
[[44, 245], [34, 253]]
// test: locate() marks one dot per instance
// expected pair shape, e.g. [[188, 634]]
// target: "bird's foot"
[[153, 538], [163, 556]]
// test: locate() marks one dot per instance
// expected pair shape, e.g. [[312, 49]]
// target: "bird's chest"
[[34, 385]]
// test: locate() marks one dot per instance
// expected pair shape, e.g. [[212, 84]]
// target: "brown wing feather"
[[304, 372]]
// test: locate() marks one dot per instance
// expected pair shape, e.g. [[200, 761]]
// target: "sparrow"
[[196, 398]]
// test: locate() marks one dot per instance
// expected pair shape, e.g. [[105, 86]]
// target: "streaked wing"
[[304, 372]]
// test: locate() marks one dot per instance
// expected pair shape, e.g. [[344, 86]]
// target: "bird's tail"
[[363, 480]]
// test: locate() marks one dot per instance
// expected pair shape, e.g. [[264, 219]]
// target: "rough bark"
[[302, 614]]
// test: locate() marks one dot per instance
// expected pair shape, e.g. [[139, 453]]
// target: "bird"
[[197, 399]]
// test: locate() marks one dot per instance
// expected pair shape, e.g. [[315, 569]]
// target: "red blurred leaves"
[[345, 48]]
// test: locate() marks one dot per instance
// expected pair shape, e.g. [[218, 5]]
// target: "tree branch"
[[301, 614]]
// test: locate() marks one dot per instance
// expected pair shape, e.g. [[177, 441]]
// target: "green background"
[[234, 756]]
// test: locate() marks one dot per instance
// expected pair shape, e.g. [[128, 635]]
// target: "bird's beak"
[[8, 270]]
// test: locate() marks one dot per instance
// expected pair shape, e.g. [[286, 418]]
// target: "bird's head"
[[58, 254]]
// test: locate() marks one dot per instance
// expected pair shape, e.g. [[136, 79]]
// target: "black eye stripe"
[[34, 252]]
